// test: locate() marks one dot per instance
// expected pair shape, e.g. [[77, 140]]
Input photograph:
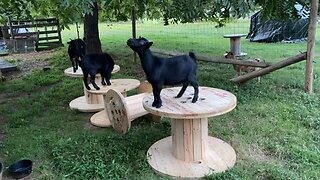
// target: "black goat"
[[76, 50], [91, 64], [166, 71]]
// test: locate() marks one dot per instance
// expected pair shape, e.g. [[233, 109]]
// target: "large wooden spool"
[[189, 152]]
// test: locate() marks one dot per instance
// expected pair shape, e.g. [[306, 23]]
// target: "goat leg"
[[74, 65], [102, 79], [183, 89], [195, 85], [108, 82], [108, 77], [195, 96], [157, 102], [85, 80], [92, 80]]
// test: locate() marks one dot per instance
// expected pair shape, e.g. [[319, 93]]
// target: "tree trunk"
[[91, 31], [134, 30]]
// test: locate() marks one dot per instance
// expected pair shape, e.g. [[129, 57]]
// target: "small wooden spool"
[[117, 111], [101, 119], [121, 111], [122, 85], [235, 44], [144, 87]]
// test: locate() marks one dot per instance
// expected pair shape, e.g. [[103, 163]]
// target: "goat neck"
[[147, 61]]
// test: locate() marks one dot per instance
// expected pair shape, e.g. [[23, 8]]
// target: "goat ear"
[[69, 42]]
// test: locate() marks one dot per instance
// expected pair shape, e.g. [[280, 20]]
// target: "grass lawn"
[[275, 128]]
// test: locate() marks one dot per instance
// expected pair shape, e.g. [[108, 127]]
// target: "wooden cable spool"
[[122, 110], [117, 111], [144, 87]]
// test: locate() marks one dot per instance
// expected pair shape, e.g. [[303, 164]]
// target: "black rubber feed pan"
[[20, 169]]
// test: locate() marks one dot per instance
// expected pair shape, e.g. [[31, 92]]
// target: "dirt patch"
[[27, 62], [257, 153]]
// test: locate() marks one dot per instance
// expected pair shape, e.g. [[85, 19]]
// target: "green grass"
[[275, 128]]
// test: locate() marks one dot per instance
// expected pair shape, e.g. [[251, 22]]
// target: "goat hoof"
[[88, 87], [97, 88], [156, 105], [103, 83], [194, 101], [153, 104]]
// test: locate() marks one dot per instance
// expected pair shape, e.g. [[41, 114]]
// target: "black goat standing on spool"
[[91, 64], [166, 71]]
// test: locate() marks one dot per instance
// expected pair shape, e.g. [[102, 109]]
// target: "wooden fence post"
[[59, 30], [310, 46], [12, 34], [10, 26]]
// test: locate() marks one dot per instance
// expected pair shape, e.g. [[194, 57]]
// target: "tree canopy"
[[171, 11]]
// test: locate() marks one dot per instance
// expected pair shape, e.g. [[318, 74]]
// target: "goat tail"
[[192, 55]]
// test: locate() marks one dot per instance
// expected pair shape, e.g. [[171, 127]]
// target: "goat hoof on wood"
[[156, 104], [194, 100]]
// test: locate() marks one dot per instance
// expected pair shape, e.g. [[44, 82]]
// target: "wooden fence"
[[43, 33]]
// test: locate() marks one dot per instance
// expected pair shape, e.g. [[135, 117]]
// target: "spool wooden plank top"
[[120, 85], [211, 102], [79, 73], [234, 35]]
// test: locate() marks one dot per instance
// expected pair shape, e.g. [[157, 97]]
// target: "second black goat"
[[166, 71], [76, 50], [91, 64]]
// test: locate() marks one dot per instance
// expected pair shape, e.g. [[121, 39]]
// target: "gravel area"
[[26, 63]]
